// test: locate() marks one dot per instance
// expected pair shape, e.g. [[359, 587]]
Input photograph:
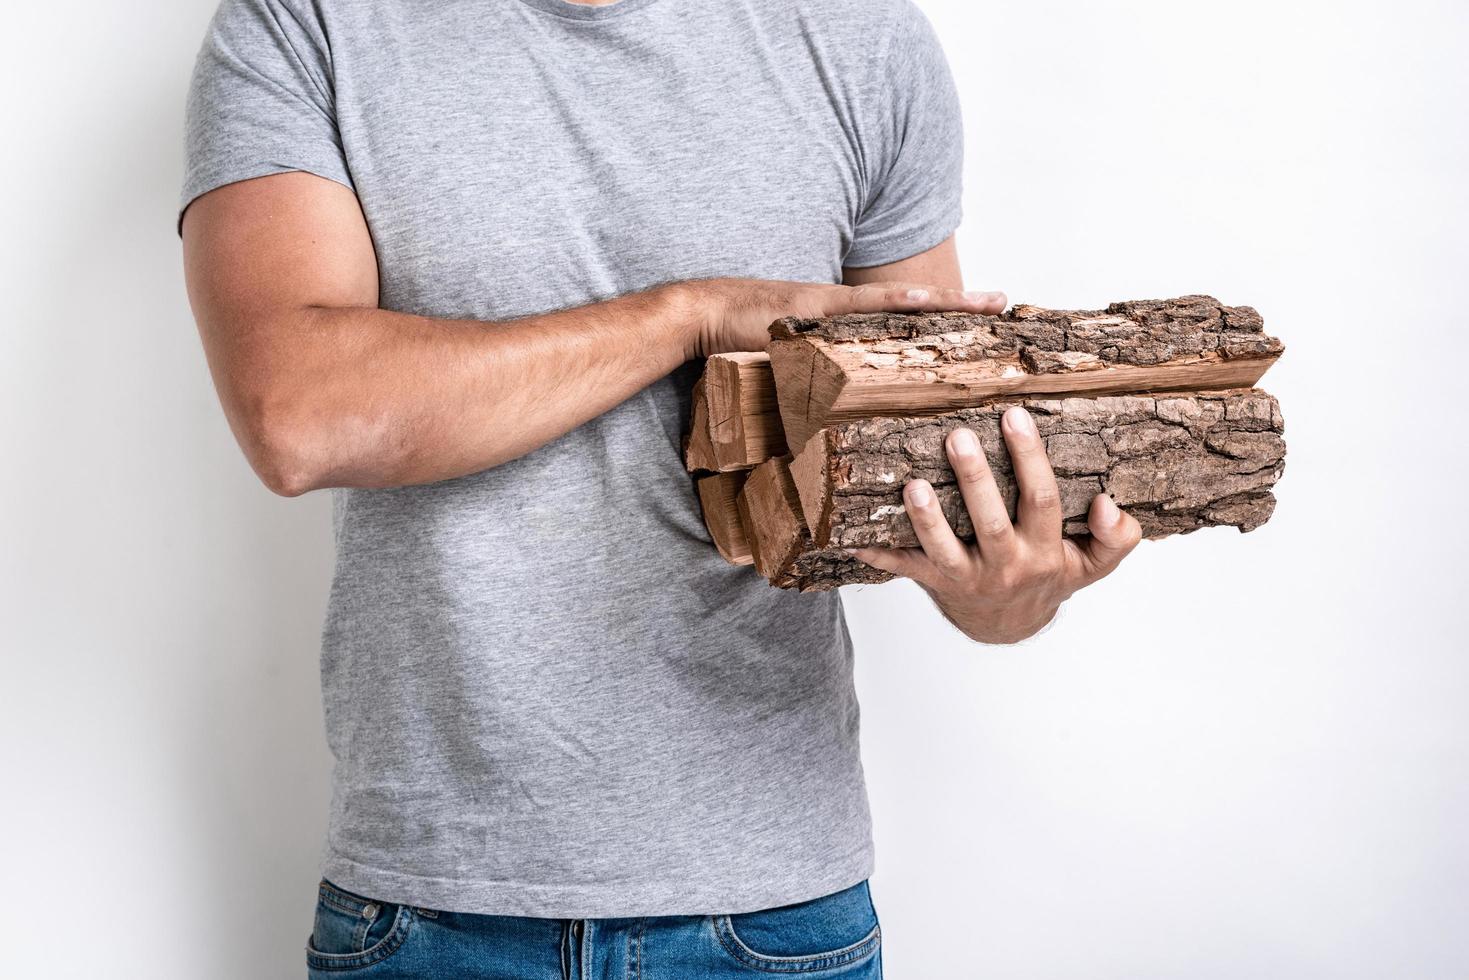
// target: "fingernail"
[[918, 295], [1109, 512], [919, 494], [1018, 421], [980, 296], [963, 442]]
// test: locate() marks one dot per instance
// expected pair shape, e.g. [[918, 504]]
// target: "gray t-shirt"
[[546, 693]]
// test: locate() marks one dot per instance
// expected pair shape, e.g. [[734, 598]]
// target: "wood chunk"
[[844, 368], [1175, 462], [1150, 401], [744, 423], [717, 493], [698, 448], [781, 545]]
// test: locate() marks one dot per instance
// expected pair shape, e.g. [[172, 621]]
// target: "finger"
[[1039, 510], [906, 562], [947, 552], [1114, 535], [992, 528], [908, 297]]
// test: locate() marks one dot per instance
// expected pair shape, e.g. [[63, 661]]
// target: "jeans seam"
[[381, 950], [340, 901], [724, 931]]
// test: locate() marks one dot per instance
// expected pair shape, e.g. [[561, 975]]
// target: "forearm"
[[365, 397], [324, 389]]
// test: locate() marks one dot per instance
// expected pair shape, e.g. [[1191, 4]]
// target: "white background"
[[1243, 756]]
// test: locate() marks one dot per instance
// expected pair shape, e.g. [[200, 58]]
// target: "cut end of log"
[[698, 449], [734, 414], [808, 383], [782, 546], [813, 487], [717, 497]]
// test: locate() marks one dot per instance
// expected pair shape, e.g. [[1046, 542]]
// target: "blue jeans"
[[832, 937]]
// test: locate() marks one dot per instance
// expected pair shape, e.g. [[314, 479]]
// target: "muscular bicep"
[[261, 257], [939, 266], [259, 248]]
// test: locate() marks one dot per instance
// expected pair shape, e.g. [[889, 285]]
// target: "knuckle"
[[970, 471], [992, 527], [952, 566], [1046, 497], [1134, 534], [1027, 450], [1049, 566], [1004, 579]]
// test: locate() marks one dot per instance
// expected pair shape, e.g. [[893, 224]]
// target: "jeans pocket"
[[823, 934], [351, 932]]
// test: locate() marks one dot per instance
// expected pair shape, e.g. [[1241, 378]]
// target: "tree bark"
[[887, 364], [1175, 462], [1148, 401]]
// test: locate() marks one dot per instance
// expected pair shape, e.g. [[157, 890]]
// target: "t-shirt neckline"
[[586, 11]]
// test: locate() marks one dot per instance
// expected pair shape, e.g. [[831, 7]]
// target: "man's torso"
[[546, 693]]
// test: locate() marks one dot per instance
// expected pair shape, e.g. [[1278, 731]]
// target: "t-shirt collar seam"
[[586, 13]]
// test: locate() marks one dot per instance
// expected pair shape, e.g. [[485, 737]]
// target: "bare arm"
[[939, 266], [322, 388]]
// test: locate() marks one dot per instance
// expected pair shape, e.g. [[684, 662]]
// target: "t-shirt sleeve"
[[261, 100], [915, 150]]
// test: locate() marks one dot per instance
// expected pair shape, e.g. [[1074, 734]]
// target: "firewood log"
[[717, 493], [735, 414], [858, 366], [1150, 402]]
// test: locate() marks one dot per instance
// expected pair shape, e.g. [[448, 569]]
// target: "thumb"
[[1114, 535]]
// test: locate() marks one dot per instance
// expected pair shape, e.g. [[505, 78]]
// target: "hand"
[[736, 314], [1009, 584]]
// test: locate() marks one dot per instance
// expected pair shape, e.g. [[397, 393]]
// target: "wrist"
[[999, 626], [687, 311]]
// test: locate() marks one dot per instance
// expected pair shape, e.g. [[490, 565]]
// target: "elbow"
[[282, 479], [284, 450]]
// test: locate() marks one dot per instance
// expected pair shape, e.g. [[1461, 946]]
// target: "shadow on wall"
[[215, 588], [259, 756]]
